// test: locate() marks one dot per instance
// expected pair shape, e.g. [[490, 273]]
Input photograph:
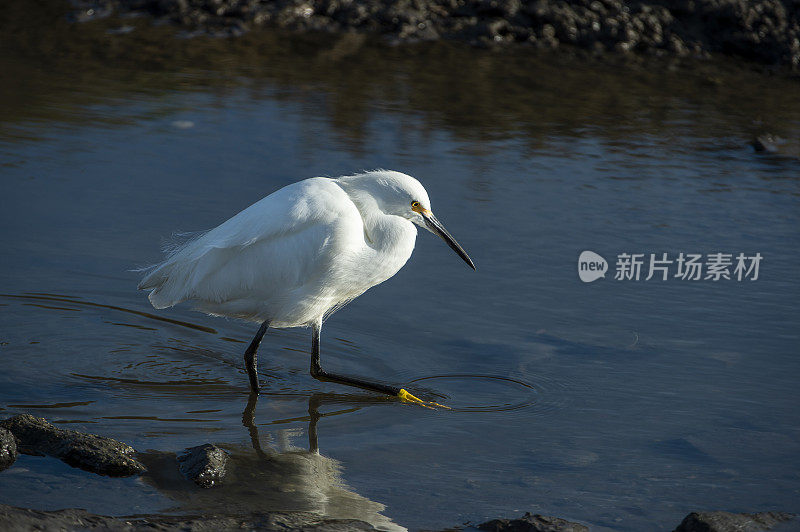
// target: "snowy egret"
[[298, 255]]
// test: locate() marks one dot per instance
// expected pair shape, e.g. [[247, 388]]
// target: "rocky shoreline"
[[765, 32], [206, 467], [13, 519]]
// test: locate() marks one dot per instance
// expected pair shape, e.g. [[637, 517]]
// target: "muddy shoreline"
[[764, 32]]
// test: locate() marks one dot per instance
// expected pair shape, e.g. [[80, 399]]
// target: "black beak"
[[436, 227]]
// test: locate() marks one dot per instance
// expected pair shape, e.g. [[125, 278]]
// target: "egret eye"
[[415, 205]]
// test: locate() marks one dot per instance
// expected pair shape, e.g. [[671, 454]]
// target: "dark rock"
[[97, 454], [532, 523], [730, 522], [765, 143], [14, 519], [8, 449], [204, 464]]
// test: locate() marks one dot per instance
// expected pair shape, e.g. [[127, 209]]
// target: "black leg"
[[250, 361], [314, 403], [320, 374]]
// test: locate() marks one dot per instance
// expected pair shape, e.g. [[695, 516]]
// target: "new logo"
[[591, 266]]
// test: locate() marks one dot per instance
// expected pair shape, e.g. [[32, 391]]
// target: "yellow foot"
[[408, 398]]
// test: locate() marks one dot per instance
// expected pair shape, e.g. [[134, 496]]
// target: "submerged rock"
[[204, 464], [8, 449], [97, 454], [765, 143], [730, 522], [533, 523], [14, 519]]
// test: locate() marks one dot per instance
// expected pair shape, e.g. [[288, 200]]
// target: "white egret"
[[299, 254]]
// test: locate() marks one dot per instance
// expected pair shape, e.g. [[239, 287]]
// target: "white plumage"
[[301, 252]]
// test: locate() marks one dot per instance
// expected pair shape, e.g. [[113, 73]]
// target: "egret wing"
[[274, 246]]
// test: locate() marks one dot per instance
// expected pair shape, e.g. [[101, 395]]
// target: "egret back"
[[297, 255], [250, 265]]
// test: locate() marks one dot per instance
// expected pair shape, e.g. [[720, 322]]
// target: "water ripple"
[[494, 393]]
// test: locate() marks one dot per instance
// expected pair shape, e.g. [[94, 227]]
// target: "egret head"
[[402, 195]]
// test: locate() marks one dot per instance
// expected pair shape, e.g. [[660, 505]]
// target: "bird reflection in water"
[[275, 478]]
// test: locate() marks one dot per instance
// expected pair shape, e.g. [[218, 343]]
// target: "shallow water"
[[620, 404]]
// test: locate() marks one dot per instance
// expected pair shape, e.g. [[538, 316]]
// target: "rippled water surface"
[[620, 404]]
